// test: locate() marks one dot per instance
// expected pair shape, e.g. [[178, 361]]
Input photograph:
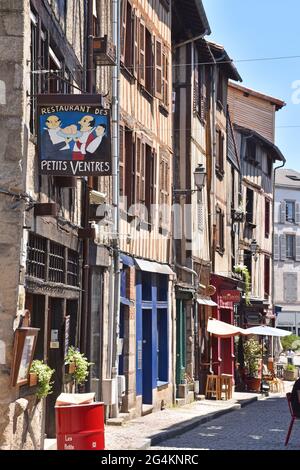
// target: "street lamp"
[[254, 248], [199, 181]]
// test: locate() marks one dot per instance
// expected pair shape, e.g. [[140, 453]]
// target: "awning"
[[127, 260], [153, 267], [222, 329], [206, 301]]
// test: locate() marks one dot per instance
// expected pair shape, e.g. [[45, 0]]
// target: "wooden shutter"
[[297, 248], [136, 29], [267, 218], [138, 159], [297, 214], [122, 159], [267, 276], [123, 29], [142, 42], [283, 247], [165, 78], [200, 218], [196, 93], [290, 287], [203, 97], [276, 247], [158, 69], [129, 167], [283, 212]]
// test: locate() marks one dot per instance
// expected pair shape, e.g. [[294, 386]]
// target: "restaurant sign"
[[231, 296], [73, 135]]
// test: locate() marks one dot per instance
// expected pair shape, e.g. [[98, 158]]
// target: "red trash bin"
[[80, 427]]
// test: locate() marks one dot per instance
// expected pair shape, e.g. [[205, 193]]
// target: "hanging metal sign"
[[73, 135]]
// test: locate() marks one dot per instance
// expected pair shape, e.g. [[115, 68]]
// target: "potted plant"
[[289, 372], [43, 374], [244, 272], [78, 365], [252, 355]]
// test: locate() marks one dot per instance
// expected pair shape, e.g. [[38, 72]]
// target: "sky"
[[255, 29]]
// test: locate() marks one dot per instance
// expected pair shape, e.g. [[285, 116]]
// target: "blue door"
[[147, 356]]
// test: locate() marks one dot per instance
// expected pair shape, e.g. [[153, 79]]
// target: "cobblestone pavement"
[[137, 433], [261, 425]]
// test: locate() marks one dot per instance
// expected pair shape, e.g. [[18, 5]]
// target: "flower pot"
[[289, 375], [253, 384], [32, 379]]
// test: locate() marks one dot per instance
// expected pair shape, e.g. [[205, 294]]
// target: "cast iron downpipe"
[[88, 184]]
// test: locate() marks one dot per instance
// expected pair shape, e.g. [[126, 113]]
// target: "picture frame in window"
[[23, 352]]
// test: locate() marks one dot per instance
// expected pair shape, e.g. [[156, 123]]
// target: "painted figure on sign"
[[90, 139], [55, 142]]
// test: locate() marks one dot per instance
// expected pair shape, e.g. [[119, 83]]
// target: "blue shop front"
[[153, 334]]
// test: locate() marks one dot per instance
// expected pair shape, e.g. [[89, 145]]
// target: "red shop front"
[[226, 296]]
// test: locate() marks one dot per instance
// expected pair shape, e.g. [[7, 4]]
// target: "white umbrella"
[[264, 330]]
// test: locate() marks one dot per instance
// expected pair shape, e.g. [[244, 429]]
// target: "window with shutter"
[[164, 175], [220, 153], [129, 183], [290, 246], [149, 61], [196, 93], [267, 276], [290, 287], [297, 248], [165, 79], [290, 211], [122, 161], [220, 247], [142, 73], [136, 28], [297, 213], [267, 218], [282, 212], [203, 98], [276, 247], [158, 68], [123, 29], [283, 247]]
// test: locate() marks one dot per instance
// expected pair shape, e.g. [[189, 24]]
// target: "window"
[[221, 94], [36, 256], [164, 175], [267, 276], [127, 167], [267, 218], [220, 153], [290, 287], [269, 165], [165, 79], [251, 150], [45, 57], [158, 69], [199, 88], [220, 246], [290, 246], [150, 179], [249, 205], [149, 62], [290, 211]]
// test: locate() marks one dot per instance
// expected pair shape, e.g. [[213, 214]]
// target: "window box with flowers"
[[244, 272]]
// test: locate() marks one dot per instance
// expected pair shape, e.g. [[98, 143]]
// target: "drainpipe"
[[88, 184], [115, 200]]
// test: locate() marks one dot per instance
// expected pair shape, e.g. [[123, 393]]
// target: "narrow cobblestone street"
[[261, 425]]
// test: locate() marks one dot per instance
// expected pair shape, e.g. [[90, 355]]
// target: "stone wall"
[[14, 414]]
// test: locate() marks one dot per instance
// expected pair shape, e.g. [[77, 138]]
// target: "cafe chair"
[[293, 418]]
